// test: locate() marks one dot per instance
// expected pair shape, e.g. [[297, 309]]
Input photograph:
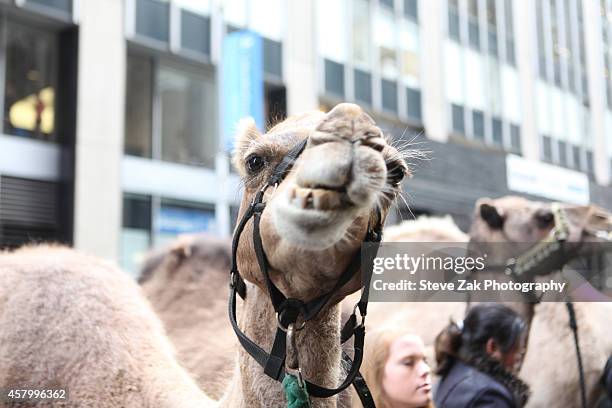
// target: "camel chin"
[[308, 225]]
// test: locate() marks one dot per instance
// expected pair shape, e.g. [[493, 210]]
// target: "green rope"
[[297, 397]]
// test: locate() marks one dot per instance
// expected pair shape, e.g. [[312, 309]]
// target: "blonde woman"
[[396, 370]]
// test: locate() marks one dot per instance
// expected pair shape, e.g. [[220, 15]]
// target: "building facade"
[[112, 114]]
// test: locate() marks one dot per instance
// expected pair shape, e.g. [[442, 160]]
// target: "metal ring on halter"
[[362, 323], [283, 328]]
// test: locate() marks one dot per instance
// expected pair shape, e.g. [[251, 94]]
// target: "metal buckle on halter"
[[233, 280], [292, 360], [285, 329]]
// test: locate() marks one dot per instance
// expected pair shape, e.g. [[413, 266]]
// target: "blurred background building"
[[112, 129]]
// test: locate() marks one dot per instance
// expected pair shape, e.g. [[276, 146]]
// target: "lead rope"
[[573, 323]]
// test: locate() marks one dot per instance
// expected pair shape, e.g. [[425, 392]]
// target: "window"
[[589, 161], [170, 113], [61, 5], [389, 95], [541, 40], [413, 98], [458, 119], [492, 27], [154, 222], [178, 217], [473, 32], [385, 41], [334, 78], [387, 3], [273, 58], [497, 127], [361, 32], [409, 52], [31, 83], [478, 124], [363, 86], [138, 106], [136, 231], [509, 20], [546, 149], [576, 157], [562, 153], [515, 138], [188, 106], [453, 20], [411, 9], [153, 19], [195, 32]]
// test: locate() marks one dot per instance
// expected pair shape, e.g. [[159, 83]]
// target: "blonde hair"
[[376, 354]]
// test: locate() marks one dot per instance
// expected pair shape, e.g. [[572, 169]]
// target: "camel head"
[[316, 218], [513, 219]]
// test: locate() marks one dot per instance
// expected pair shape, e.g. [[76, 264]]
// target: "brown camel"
[[313, 225]]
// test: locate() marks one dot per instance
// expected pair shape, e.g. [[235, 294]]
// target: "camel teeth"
[[320, 200]]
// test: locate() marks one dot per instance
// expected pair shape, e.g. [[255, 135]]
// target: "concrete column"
[[100, 127], [597, 89], [526, 61], [433, 23], [300, 60]]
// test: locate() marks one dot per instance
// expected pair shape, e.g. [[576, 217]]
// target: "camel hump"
[[193, 251], [426, 229]]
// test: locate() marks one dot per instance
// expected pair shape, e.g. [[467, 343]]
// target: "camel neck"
[[318, 346]]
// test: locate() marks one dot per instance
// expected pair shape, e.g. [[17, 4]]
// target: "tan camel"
[[187, 285], [550, 365], [72, 321], [313, 226], [550, 336]]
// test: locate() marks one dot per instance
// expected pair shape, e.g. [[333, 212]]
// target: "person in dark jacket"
[[478, 360], [605, 400]]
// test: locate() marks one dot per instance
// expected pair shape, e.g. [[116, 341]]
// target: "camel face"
[[511, 219], [516, 219], [317, 217]]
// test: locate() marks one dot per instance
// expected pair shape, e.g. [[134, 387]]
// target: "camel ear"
[[246, 134], [491, 216]]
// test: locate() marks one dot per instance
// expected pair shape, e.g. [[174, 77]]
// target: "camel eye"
[[255, 163], [545, 220]]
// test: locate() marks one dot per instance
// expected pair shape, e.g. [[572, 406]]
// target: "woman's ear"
[[492, 349]]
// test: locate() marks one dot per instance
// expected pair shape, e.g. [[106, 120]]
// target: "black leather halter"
[[288, 310]]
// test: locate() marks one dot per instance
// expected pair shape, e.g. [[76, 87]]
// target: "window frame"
[[174, 63]]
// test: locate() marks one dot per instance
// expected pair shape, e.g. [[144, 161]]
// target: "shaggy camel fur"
[[69, 320], [107, 340], [187, 284]]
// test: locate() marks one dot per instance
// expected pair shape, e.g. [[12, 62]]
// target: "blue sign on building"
[[242, 82], [173, 220]]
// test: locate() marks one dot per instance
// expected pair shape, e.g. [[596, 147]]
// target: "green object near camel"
[[296, 395]]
